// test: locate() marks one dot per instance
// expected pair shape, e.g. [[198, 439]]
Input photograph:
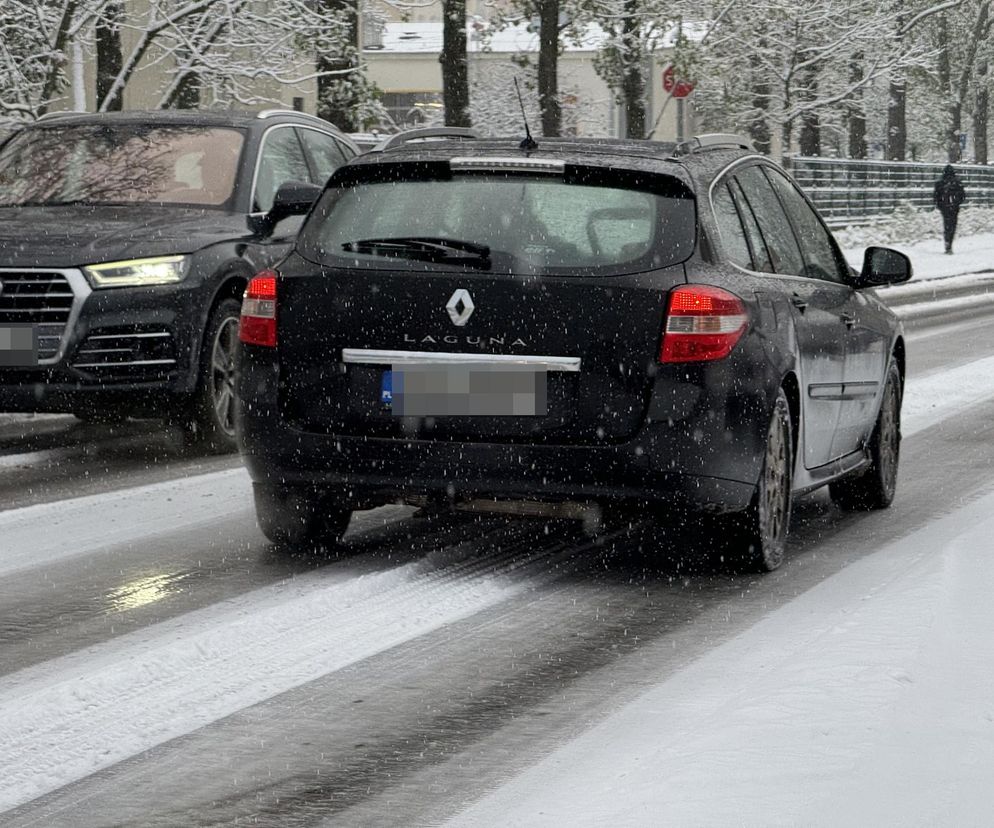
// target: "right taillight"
[[702, 323], [258, 322]]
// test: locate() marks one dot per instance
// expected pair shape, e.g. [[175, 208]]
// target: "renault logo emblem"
[[460, 307]]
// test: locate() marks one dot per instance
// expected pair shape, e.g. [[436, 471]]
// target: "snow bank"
[[865, 701]]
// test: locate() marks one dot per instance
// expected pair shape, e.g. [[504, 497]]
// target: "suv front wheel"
[[210, 422]]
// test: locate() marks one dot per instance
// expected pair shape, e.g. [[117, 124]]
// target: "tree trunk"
[[337, 96], [632, 79], [548, 68], [110, 58], [897, 121], [759, 118], [455, 66], [809, 139], [186, 95], [855, 111], [954, 149], [980, 108]]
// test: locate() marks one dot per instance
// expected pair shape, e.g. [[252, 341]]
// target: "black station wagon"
[[582, 321]]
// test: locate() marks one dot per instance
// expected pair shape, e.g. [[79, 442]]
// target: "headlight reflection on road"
[[144, 591]]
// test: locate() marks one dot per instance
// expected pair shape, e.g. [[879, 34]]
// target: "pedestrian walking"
[[948, 196]]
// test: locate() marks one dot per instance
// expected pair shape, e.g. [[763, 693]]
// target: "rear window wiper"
[[431, 248]]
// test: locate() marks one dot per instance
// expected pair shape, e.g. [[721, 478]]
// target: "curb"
[[943, 296]]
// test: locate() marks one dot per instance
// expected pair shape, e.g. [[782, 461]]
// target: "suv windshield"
[[505, 223], [120, 164]]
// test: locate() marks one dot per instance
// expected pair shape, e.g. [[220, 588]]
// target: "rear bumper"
[[378, 470], [696, 450]]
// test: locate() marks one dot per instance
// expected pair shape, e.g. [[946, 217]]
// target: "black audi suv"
[[126, 243], [589, 321]]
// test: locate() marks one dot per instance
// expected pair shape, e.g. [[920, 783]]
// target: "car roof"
[[190, 117], [621, 153], [219, 118]]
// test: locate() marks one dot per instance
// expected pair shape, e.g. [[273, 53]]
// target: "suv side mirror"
[[883, 266], [293, 198]]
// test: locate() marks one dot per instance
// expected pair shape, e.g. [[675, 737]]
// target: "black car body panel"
[[624, 426]]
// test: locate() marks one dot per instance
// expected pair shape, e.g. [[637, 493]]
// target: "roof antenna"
[[529, 143]]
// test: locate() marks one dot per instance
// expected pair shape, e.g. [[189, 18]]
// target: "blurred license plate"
[[18, 345], [466, 390]]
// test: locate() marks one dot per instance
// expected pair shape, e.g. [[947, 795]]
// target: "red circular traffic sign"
[[677, 87]]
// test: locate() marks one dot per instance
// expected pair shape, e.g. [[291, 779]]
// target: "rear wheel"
[[874, 487], [761, 536], [299, 516], [210, 422]]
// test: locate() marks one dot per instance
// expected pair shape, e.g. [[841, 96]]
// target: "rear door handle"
[[799, 303], [849, 319]]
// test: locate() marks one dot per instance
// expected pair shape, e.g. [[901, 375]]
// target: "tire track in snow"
[[68, 718]]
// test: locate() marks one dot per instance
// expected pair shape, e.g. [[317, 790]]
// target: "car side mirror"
[[293, 198], [883, 266]]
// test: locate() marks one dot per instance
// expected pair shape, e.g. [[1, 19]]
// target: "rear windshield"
[[120, 164], [547, 224]]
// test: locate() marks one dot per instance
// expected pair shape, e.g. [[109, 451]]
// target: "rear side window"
[[730, 227], [545, 224], [757, 244], [773, 223]]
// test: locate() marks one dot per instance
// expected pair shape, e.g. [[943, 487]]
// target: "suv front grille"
[[41, 298]]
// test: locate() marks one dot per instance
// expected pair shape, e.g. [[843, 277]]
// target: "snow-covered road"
[[160, 664]]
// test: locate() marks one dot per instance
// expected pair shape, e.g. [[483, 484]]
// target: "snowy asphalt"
[[163, 665]]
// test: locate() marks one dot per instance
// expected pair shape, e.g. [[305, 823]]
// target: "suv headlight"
[[162, 270]]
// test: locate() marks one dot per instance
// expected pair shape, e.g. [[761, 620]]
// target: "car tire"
[[296, 516], [209, 423], [874, 487], [760, 538]]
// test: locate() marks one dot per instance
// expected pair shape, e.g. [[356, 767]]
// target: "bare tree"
[[455, 69]]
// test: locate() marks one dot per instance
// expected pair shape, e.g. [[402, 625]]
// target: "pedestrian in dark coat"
[[948, 196]]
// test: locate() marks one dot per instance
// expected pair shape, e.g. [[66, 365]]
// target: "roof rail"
[[714, 140], [61, 114], [401, 138], [272, 113]]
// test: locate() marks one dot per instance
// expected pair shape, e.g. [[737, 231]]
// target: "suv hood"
[[72, 236]]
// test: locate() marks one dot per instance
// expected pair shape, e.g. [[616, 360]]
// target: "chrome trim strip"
[[155, 335], [124, 364], [370, 356]]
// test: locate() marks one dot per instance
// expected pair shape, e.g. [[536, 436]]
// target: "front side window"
[[540, 224], [120, 164], [822, 261], [282, 160]]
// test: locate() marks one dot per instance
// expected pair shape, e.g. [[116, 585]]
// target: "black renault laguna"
[[585, 321]]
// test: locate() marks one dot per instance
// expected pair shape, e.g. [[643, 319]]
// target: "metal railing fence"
[[845, 189]]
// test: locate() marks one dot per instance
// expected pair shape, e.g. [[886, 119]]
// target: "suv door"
[[818, 307], [866, 331]]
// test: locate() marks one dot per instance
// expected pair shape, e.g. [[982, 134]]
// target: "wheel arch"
[[792, 389], [900, 357]]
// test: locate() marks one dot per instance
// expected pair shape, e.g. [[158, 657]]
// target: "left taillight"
[[703, 323], [258, 322]]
